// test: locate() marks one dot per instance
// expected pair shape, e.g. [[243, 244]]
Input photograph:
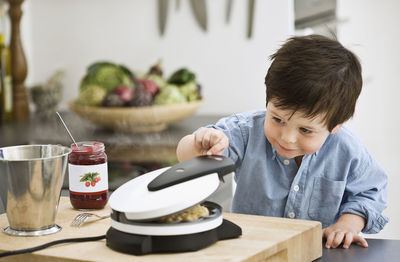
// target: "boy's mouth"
[[285, 149]]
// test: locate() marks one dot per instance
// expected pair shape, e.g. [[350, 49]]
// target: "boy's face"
[[294, 135]]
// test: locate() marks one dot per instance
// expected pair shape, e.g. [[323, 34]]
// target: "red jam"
[[88, 176]]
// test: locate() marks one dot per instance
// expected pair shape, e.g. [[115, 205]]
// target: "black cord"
[[67, 240]]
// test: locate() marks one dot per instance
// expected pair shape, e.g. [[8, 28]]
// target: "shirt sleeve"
[[365, 195]]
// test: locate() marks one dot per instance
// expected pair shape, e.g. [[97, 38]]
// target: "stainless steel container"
[[31, 177]]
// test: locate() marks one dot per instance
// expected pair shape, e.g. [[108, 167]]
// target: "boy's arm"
[[345, 231], [365, 195], [362, 206]]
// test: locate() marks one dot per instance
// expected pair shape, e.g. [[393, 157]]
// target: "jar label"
[[88, 178]]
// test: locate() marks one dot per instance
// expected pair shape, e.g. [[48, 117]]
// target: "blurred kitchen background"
[[230, 56]]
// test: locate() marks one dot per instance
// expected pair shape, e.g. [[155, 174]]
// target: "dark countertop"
[[379, 250]]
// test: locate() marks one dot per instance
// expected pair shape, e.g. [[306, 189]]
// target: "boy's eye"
[[305, 130], [279, 121]]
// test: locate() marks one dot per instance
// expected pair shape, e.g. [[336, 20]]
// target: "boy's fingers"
[[213, 139], [216, 142], [220, 146], [198, 140], [329, 239], [360, 240], [348, 239], [325, 233], [198, 144], [205, 142], [210, 142], [201, 140], [216, 149], [338, 239]]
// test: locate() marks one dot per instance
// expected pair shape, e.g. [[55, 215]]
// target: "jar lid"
[[87, 147]]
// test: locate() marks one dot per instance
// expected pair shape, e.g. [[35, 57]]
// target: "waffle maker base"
[[142, 244]]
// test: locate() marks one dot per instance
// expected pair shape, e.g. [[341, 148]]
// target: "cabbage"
[[92, 95], [107, 76], [169, 94], [189, 90]]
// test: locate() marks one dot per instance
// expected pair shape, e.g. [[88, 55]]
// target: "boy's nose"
[[288, 135]]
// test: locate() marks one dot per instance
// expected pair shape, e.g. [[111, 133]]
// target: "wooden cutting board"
[[263, 239]]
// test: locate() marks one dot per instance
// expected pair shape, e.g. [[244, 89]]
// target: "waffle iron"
[[138, 205]]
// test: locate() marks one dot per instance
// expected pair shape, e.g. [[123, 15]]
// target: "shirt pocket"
[[325, 200]]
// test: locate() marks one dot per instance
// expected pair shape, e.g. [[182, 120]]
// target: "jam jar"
[[88, 175]]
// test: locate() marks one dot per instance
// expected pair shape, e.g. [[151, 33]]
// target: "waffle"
[[192, 214]]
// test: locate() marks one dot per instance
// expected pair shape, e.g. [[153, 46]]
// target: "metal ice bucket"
[[31, 177]]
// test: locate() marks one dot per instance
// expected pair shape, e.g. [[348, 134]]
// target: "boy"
[[296, 159]]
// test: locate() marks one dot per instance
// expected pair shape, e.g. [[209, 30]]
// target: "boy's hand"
[[210, 141], [345, 231]]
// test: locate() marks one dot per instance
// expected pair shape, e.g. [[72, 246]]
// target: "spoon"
[[66, 128]]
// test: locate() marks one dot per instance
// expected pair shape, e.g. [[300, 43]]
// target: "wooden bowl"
[[136, 119]]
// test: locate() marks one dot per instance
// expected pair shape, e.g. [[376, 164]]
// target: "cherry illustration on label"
[[90, 179]]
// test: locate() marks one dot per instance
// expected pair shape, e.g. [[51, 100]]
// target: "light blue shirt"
[[341, 177]]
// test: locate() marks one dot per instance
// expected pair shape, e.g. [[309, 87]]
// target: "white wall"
[[371, 31], [231, 68], [72, 34]]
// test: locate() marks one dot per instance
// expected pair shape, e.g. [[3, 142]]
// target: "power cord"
[[61, 241]]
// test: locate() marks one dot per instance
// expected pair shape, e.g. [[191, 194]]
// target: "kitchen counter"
[[263, 239], [378, 250]]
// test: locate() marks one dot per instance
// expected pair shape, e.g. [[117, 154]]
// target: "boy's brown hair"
[[315, 75]]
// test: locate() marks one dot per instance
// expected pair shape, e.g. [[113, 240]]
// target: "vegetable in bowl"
[[100, 79], [107, 84]]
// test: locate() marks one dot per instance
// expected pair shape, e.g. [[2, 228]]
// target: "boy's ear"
[[336, 129]]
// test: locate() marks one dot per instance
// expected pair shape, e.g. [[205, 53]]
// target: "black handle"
[[192, 168]]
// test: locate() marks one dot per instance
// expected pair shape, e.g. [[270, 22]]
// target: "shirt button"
[[296, 188], [286, 162], [291, 215]]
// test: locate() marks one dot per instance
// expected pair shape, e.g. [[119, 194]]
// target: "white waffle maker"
[[138, 205]]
